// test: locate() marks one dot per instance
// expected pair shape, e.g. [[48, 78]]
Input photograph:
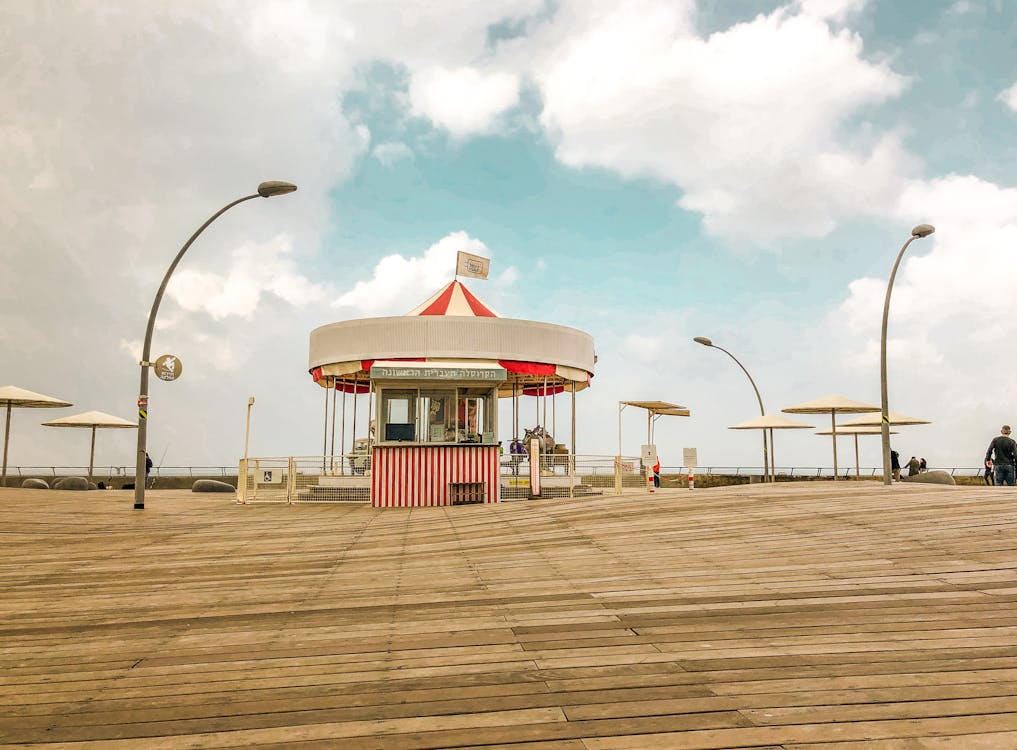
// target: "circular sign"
[[168, 367]]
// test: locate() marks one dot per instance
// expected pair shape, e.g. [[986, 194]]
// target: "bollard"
[[692, 480], [650, 487]]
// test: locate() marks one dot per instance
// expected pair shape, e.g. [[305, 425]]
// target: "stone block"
[[211, 485]]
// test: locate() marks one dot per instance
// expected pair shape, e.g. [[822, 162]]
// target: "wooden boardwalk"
[[800, 616]]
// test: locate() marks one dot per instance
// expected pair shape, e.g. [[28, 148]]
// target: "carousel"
[[420, 395]]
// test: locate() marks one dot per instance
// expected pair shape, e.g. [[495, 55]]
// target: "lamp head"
[[923, 230], [703, 340], [275, 187]]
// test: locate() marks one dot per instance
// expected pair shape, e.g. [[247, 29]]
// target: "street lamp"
[[265, 190], [922, 230], [762, 412]]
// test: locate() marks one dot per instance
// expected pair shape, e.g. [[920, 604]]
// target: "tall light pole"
[[922, 230], [265, 190], [762, 412], [247, 430]]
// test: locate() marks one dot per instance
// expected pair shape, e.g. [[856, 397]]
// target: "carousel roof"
[[454, 299]]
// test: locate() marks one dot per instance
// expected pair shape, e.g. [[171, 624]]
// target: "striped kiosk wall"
[[419, 476]]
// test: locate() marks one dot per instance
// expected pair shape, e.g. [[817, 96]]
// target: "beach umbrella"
[[896, 420], [848, 428], [769, 423], [832, 405], [13, 397], [93, 420]]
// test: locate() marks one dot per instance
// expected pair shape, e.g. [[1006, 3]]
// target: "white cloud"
[[390, 153], [751, 123], [464, 101], [1009, 97], [258, 269], [834, 10], [399, 283]]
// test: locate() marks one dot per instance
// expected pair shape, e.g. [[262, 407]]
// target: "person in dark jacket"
[[988, 473], [895, 465], [1003, 452], [913, 467]]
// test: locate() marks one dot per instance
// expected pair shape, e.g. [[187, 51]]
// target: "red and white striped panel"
[[419, 476]]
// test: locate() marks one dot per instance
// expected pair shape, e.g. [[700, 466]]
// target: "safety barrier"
[[305, 479]]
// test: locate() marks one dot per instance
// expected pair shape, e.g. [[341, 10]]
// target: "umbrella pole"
[[773, 461], [833, 429], [7, 437], [858, 472], [91, 456]]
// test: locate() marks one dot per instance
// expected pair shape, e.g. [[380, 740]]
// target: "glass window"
[[399, 411], [474, 410], [436, 416]]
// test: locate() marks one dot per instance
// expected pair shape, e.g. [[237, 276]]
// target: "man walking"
[[1005, 450]]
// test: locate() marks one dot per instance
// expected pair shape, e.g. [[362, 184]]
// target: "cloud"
[[390, 153], [1009, 97], [751, 123], [399, 283], [258, 269], [464, 101]]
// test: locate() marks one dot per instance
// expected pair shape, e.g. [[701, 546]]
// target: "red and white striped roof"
[[455, 300]]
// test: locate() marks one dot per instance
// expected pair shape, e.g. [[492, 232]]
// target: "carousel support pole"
[[572, 458], [331, 450], [356, 388], [342, 436], [324, 438], [543, 398]]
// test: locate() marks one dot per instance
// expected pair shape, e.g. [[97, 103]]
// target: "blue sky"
[[645, 171]]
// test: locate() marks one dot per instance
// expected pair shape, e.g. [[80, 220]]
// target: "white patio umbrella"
[[832, 405], [852, 429], [896, 420], [13, 397], [769, 423], [94, 420]]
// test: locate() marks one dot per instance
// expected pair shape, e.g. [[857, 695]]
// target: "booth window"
[[399, 408], [438, 415]]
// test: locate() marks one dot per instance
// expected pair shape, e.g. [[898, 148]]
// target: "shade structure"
[[92, 420], [896, 420], [13, 397], [654, 410], [849, 428], [769, 423], [832, 405]]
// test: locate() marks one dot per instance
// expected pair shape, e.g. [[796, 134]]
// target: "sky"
[[646, 171]]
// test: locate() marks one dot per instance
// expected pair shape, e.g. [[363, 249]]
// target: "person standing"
[[895, 465], [656, 473], [922, 466], [1003, 452], [988, 473], [913, 466], [148, 467]]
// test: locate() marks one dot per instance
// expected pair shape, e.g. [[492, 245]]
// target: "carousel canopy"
[[453, 325]]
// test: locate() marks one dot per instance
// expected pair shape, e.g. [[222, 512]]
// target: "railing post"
[[242, 481], [617, 475], [291, 479]]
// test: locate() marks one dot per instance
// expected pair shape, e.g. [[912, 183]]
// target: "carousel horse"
[[544, 439]]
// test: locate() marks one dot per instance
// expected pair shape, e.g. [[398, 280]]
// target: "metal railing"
[[593, 471]]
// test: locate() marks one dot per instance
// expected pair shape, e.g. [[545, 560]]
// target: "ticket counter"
[[437, 433]]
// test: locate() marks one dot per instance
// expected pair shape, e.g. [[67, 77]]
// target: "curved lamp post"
[[265, 190], [762, 412], [922, 230]]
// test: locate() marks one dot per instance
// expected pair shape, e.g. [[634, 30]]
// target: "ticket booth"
[[436, 433]]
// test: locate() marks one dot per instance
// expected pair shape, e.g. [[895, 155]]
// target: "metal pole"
[[331, 449], [324, 437], [922, 230], [342, 436], [858, 471], [572, 458], [833, 430], [7, 437], [247, 430], [91, 456], [146, 353], [762, 411]]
